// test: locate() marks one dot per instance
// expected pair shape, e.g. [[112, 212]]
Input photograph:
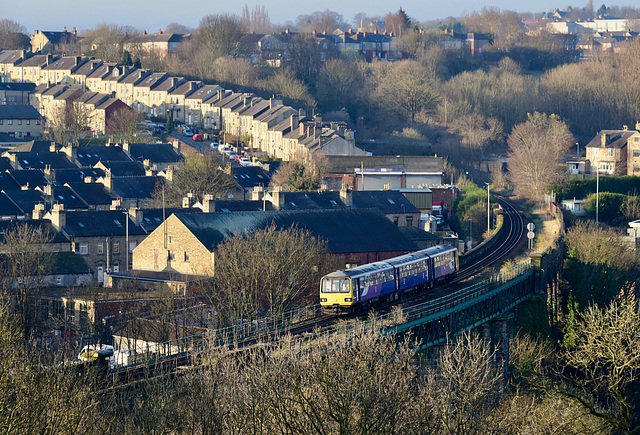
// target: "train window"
[[335, 286]]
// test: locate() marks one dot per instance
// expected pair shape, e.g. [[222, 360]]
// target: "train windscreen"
[[335, 285]]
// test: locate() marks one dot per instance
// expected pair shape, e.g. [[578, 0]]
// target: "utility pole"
[[488, 206]]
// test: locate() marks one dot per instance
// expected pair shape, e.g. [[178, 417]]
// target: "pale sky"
[[153, 15]]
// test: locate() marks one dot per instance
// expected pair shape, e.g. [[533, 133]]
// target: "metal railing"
[[387, 323]]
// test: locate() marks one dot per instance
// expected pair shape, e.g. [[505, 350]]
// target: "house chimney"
[[115, 204], [146, 163], [38, 211], [604, 139], [58, 216], [125, 147], [88, 180], [346, 195], [49, 173], [208, 204], [294, 121], [136, 215], [176, 146], [52, 147], [625, 127], [108, 180], [277, 197], [187, 201], [168, 174], [257, 193]]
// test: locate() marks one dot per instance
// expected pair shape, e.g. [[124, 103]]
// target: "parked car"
[[213, 146], [187, 132], [244, 161], [198, 137], [232, 155]]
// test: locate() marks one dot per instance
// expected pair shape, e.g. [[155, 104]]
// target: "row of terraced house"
[[279, 130]]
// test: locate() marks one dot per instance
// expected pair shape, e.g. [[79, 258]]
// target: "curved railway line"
[[510, 236]]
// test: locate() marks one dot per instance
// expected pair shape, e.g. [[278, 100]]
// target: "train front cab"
[[336, 293]]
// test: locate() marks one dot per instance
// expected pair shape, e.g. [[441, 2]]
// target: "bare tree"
[[536, 148], [12, 35], [606, 360], [327, 21], [25, 263], [408, 88], [238, 71], [68, 122], [220, 34], [293, 91], [268, 270], [125, 124], [256, 21], [339, 85], [200, 176]]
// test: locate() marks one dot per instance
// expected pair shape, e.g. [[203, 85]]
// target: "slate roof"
[[7, 207], [26, 200], [10, 56], [233, 206], [38, 60], [8, 140], [41, 225], [347, 164], [19, 111], [153, 217], [93, 223], [33, 146], [24, 87], [28, 177], [5, 163], [250, 176], [89, 156], [64, 195], [8, 183], [387, 201], [40, 160], [617, 138], [345, 230], [92, 193], [156, 152], [135, 187], [65, 63], [76, 175], [122, 169]]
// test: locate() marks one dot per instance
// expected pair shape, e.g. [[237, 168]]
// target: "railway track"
[[512, 233]]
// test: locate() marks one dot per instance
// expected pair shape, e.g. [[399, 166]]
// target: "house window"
[[170, 239], [1, 121], [610, 152], [409, 221], [59, 280], [100, 248], [636, 154], [395, 220], [186, 256], [116, 247], [9, 121], [84, 248], [172, 255], [116, 268], [19, 121], [28, 122]]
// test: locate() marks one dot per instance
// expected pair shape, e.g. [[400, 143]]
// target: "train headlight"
[[323, 299], [348, 299]]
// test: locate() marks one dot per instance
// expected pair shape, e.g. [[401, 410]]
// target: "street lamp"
[[488, 206], [597, 192], [578, 149]]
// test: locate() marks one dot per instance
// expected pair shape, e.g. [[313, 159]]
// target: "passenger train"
[[350, 290]]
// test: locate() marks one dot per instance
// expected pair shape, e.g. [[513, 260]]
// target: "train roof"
[[407, 258], [361, 270], [434, 251]]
